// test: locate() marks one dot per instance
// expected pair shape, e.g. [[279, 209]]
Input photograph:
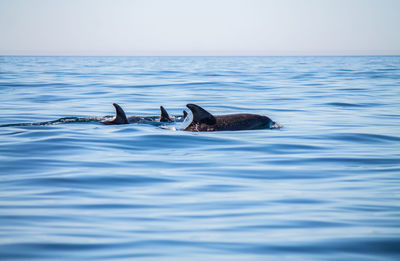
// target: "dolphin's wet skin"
[[121, 118], [205, 121]]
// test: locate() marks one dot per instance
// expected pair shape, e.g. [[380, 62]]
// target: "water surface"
[[324, 187]]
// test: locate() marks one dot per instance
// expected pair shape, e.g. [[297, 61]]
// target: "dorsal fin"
[[200, 115], [120, 117], [164, 115], [185, 114]]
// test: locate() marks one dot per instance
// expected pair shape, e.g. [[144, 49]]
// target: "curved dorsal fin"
[[120, 117], [200, 115], [185, 114], [164, 115]]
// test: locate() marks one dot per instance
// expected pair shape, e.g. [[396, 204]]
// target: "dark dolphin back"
[[205, 121], [164, 115], [200, 115], [120, 116]]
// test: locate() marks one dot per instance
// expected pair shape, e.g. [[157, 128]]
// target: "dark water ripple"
[[324, 187]]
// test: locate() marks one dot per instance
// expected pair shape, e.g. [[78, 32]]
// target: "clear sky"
[[199, 27]]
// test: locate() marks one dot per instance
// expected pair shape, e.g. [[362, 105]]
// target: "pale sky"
[[199, 27]]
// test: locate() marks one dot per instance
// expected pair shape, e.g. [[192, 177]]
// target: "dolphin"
[[121, 118], [205, 121]]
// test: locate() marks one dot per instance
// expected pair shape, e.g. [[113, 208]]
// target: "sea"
[[323, 186]]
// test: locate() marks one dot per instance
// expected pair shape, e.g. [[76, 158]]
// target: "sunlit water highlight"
[[325, 186]]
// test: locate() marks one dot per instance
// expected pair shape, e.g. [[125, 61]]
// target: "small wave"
[[168, 127], [364, 137], [344, 104]]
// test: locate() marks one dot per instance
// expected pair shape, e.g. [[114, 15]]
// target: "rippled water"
[[325, 186]]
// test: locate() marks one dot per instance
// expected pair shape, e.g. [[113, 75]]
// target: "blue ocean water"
[[326, 186]]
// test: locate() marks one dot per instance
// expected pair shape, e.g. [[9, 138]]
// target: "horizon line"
[[161, 53], [198, 55]]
